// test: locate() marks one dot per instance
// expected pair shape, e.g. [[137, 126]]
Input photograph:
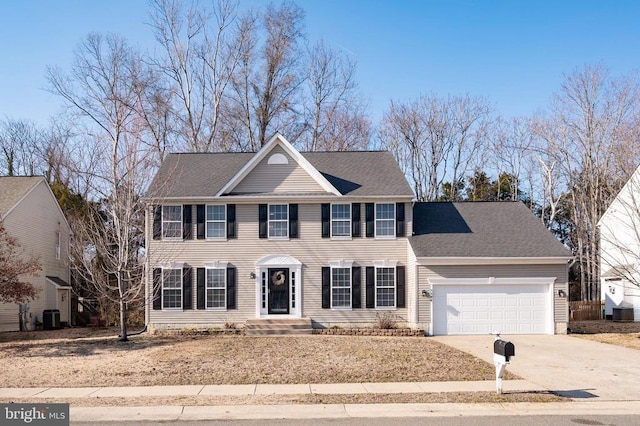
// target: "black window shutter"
[[262, 217], [231, 288], [356, 280], [231, 221], [371, 286], [157, 288], [369, 212], [187, 289], [187, 220], [325, 211], [293, 221], [355, 220], [326, 287], [200, 297], [400, 287], [157, 222], [400, 220], [200, 215]]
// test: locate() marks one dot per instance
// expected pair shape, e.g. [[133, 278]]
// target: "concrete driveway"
[[573, 367]]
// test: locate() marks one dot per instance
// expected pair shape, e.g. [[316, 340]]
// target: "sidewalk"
[[309, 411], [267, 389]]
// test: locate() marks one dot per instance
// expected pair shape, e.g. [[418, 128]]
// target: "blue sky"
[[513, 52]]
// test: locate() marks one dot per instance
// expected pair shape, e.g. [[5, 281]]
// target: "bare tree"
[[436, 139], [100, 91], [335, 115], [268, 80], [202, 49], [590, 119], [21, 143]]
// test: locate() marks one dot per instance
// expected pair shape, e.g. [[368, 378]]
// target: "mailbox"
[[504, 348]]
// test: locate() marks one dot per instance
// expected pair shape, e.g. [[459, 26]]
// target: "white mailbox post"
[[502, 353]]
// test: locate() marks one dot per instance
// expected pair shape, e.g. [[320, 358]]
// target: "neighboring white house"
[[620, 250], [334, 237], [31, 214]]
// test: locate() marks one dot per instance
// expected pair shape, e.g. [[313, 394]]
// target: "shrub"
[[385, 320]]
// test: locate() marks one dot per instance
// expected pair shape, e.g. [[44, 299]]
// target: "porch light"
[[561, 293], [252, 275]]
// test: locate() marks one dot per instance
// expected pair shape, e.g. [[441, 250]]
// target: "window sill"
[[386, 308], [278, 238], [172, 239], [216, 239], [386, 237], [216, 309], [341, 309], [341, 238], [172, 310]]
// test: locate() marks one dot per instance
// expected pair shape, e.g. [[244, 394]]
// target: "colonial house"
[[31, 214], [620, 253], [336, 238]]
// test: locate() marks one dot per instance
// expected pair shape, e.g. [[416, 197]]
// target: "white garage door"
[[482, 309]]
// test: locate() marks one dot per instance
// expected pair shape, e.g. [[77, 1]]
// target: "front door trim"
[[271, 262]]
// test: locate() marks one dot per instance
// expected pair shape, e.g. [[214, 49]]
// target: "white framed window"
[[340, 288], [341, 220], [171, 289], [172, 222], [216, 288], [57, 245], [386, 287], [216, 221], [278, 216], [386, 220]]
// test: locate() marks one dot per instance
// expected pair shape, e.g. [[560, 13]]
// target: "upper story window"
[[172, 222], [278, 221], [341, 220], [385, 220], [216, 221], [57, 245], [172, 288]]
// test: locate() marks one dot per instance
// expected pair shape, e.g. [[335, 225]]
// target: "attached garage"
[[484, 267], [504, 305]]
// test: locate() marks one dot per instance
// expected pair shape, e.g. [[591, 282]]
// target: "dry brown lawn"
[[93, 357], [86, 357], [625, 334]]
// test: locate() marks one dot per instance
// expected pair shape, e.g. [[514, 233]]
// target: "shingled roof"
[[354, 173], [13, 188], [481, 229]]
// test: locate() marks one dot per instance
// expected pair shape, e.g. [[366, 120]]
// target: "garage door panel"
[[480, 309]]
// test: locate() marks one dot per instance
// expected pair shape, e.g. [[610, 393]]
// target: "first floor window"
[[278, 220], [341, 287], [385, 220], [216, 288], [216, 221], [385, 287], [171, 222], [172, 289]]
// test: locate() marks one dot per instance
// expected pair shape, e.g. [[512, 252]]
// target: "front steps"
[[273, 327]]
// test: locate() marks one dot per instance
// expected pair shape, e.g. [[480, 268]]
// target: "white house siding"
[[278, 178], [243, 252], [34, 222], [560, 308]]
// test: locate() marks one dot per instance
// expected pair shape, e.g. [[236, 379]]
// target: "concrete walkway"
[[266, 389]]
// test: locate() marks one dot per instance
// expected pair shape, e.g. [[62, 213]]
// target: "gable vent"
[[278, 159]]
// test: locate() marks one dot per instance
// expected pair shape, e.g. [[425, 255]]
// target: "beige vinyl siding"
[[278, 178], [9, 317], [498, 271], [34, 222], [412, 292], [243, 252]]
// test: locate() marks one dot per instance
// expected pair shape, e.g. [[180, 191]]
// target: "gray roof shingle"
[[13, 188], [354, 173], [481, 229]]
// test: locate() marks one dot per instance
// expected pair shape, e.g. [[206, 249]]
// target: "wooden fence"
[[585, 310]]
